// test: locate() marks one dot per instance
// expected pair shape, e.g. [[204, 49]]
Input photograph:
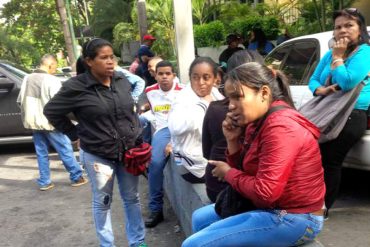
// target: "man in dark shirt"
[[144, 54], [233, 41]]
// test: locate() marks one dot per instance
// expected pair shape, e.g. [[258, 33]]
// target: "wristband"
[[337, 60]]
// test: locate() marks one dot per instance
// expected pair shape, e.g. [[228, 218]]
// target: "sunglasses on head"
[[352, 11]]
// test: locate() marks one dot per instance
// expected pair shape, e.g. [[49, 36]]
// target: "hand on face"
[[230, 128], [346, 32], [340, 47]]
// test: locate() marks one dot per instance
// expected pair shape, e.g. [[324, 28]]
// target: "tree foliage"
[[316, 15], [34, 22], [14, 49], [107, 14]]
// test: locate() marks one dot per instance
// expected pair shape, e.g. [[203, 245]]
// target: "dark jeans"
[[334, 152]]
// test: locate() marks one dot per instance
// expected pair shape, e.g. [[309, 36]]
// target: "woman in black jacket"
[[107, 124]]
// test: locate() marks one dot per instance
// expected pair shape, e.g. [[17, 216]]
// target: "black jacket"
[[95, 129]]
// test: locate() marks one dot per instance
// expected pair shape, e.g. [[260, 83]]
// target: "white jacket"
[[185, 123], [37, 89]]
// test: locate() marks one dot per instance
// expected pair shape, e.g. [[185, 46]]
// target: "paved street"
[[62, 216]]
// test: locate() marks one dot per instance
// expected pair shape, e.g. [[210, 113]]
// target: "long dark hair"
[[255, 75]]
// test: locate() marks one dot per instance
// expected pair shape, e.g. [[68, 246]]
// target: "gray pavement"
[[62, 216]]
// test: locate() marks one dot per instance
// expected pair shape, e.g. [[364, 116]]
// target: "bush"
[[210, 34], [270, 25], [124, 32]]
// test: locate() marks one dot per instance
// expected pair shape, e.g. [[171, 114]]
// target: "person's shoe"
[[154, 219], [143, 245], [47, 187], [326, 214], [79, 182]]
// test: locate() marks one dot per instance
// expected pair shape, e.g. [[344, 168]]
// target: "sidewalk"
[[62, 216]]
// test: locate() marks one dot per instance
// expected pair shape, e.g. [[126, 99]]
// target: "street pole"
[[70, 24], [184, 37], [66, 30], [142, 19]]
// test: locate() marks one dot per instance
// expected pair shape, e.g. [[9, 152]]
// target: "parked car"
[[298, 58], [11, 127]]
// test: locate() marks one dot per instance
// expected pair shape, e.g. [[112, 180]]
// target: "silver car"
[[298, 58], [11, 127]]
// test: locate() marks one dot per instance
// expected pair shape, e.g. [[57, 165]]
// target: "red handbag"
[[137, 159]]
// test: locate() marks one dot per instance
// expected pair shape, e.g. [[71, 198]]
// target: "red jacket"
[[282, 168]]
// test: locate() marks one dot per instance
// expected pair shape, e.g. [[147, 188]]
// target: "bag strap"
[[121, 140], [246, 145]]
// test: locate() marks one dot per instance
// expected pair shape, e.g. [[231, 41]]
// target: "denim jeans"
[[101, 174], [42, 140], [255, 228], [155, 177]]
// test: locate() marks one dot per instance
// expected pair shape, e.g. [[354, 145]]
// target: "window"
[[297, 60]]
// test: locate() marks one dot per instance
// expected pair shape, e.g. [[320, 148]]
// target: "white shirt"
[[160, 103]]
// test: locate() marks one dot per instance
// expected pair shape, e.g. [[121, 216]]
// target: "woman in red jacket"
[[282, 173]]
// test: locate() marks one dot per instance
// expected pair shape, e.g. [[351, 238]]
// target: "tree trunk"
[[317, 14], [66, 31], [323, 14]]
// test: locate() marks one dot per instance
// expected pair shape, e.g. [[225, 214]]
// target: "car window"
[[277, 57], [297, 60], [15, 71]]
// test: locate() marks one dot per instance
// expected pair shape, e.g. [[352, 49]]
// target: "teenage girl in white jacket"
[[185, 120]]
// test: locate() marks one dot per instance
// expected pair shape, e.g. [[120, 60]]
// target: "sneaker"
[[154, 219], [143, 245], [47, 187], [79, 182]]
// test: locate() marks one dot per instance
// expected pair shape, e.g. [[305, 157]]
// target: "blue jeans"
[[159, 142], [61, 143], [255, 228], [101, 174]]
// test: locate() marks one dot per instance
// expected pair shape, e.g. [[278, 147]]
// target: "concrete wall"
[[183, 196], [212, 52], [129, 51]]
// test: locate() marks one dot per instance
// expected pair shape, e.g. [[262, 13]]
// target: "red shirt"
[[282, 168]]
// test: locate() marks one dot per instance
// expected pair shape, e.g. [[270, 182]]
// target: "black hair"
[[243, 56], [255, 75], [164, 63], [259, 36], [80, 66], [232, 38], [90, 49], [354, 14], [206, 60]]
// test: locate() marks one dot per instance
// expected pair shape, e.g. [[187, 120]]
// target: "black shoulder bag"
[[136, 159], [229, 202]]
